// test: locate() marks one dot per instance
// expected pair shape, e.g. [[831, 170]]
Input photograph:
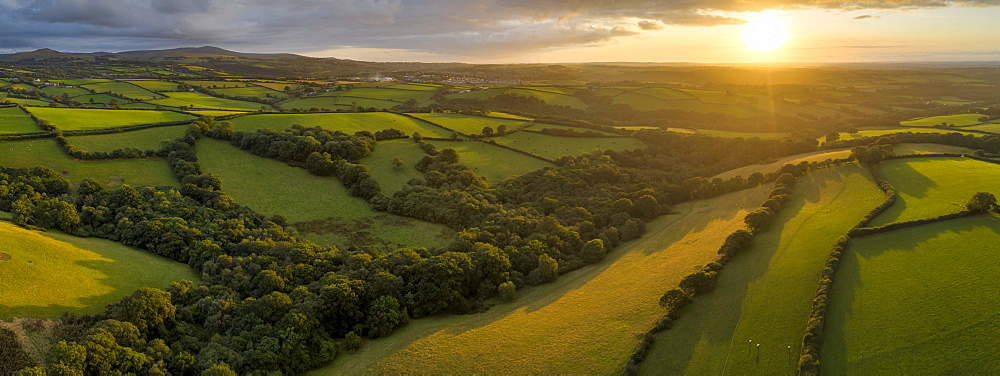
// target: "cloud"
[[458, 27], [865, 17]]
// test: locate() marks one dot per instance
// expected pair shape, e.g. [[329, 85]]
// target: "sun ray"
[[765, 33]]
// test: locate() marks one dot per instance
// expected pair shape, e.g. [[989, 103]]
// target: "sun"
[[765, 33]]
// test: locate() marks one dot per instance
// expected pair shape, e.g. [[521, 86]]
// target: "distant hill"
[[205, 51], [37, 55]]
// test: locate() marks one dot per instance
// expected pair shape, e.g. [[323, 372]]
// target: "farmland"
[[124, 89], [77, 119], [494, 163], [51, 273], [470, 124], [389, 177], [576, 324], [956, 120], [204, 101], [345, 122], [929, 187], [553, 147], [45, 152], [902, 305], [14, 120], [144, 139]]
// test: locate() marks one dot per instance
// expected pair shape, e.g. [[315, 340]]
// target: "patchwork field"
[[328, 103], [929, 187], [553, 147], [494, 163], [78, 118], [575, 325], [881, 131], [957, 120], [156, 85], [470, 124], [45, 152], [259, 92], [15, 120], [70, 91], [330, 216], [145, 139], [344, 122], [390, 178], [204, 101], [765, 293], [124, 89], [915, 301], [49, 273]]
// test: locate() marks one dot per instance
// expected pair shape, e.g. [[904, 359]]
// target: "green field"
[[124, 89], [470, 124], [993, 127], [82, 81], [384, 94], [198, 100], [881, 131], [97, 99], [145, 139], [330, 216], [390, 178], [79, 118], [412, 86], [45, 152], [578, 324], [642, 102], [329, 103], [156, 85], [25, 102], [278, 85], [217, 84], [58, 91], [541, 127], [553, 147], [15, 120], [549, 97], [765, 293], [958, 120], [917, 301], [494, 163], [214, 112], [259, 92], [352, 102], [49, 273], [930, 187], [344, 122], [731, 134]]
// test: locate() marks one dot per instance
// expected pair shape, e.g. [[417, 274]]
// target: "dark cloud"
[[865, 17], [458, 27]]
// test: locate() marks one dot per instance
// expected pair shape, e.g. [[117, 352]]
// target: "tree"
[[397, 162], [507, 291], [833, 136], [417, 137], [674, 299], [548, 268], [758, 220], [147, 309], [982, 202], [502, 129], [593, 251], [352, 341]]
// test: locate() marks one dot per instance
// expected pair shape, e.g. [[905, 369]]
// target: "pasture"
[[494, 163], [574, 325], [258, 92], [103, 99], [49, 273], [195, 99], [26, 102], [470, 124], [882, 131], [124, 89], [330, 216], [143, 139], [328, 103], [764, 294], [385, 94], [45, 152], [59, 91], [79, 118], [155, 85], [929, 187], [278, 85], [390, 178], [344, 122], [917, 301], [15, 120], [957, 120], [553, 147]]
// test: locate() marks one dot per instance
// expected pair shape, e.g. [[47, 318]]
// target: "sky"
[[516, 31]]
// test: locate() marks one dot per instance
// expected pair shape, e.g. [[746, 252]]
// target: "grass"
[[384, 94], [470, 124], [917, 301], [214, 112], [390, 178], [145, 139], [344, 122], [765, 293], [329, 103], [156, 85], [82, 81], [124, 89], [421, 87], [97, 99], [205, 101], [732, 134], [994, 127], [958, 120], [15, 120], [550, 97], [79, 118], [51, 273], [930, 187], [541, 127], [329, 215], [58, 91], [45, 152], [553, 147], [279, 86], [26, 102], [881, 131], [642, 102], [352, 102], [575, 325], [259, 92], [494, 163], [217, 84]]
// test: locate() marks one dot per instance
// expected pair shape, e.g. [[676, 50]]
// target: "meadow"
[[307, 103], [78, 118], [957, 120], [155, 85], [45, 152], [329, 216], [384, 94], [103, 99], [259, 92], [764, 294], [344, 122], [26, 102], [389, 177], [575, 325], [470, 124], [144, 139], [204, 101], [49, 273], [916, 301], [59, 90], [929, 187], [15, 120], [124, 89], [553, 147], [881, 131], [494, 163]]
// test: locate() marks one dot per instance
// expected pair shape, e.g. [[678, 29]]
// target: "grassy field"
[[958, 120], [732, 134], [217, 84], [145, 139], [642, 102], [45, 152], [412, 86], [155, 85], [550, 97], [388, 176], [278, 85], [553, 147], [329, 215], [259, 92], [329, 103], [384, 94], [82, 81], [881, 131], [78, 118], [352, 102], [917, 301], [124, 89], [58, 91], [765, 293], [470, 124], [494, 163], [541, 127], [97, 99], [575, 325], [344, 122], [26, 102], [935, 186], [49, 273], [199, 100], [14, 120], [994, 127]]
